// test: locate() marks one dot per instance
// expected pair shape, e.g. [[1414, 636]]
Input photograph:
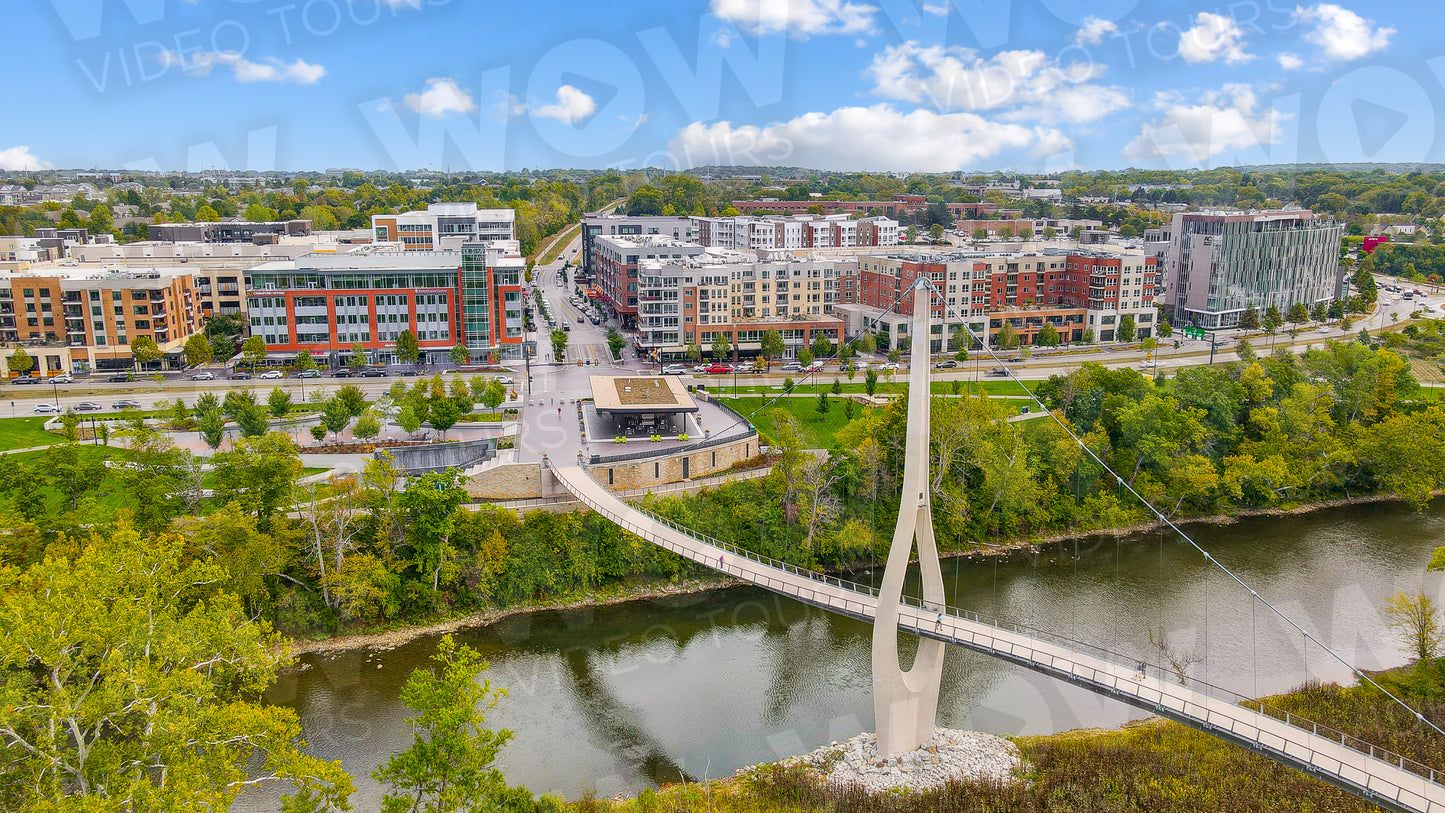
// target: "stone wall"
[[675, 468], [510, 481], [442, 456]]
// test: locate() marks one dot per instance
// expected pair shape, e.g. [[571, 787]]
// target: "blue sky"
[[838, 84]]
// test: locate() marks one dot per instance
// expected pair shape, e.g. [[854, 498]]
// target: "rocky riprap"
[[950, 755]]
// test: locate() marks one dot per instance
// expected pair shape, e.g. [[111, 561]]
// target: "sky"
[[882, 85]]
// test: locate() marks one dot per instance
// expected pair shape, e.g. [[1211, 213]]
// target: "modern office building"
[[327, 303], [445, 227], [231, 230], [1220, 263], [595, 225]]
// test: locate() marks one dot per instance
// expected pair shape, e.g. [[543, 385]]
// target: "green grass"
[[997, 388], [818, 431], [559, 243], [23, 433]]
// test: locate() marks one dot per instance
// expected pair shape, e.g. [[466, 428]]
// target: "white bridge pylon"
[[905, 703]]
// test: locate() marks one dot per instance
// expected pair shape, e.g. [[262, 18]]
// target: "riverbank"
[[651, 589], [1150, 766]]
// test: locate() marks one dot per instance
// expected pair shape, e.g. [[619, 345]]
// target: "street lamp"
[[56, 387]]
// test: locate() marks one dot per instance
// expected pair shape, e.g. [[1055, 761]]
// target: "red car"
[[718, 369]]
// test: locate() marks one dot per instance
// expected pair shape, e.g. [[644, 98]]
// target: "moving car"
[[342, 372], [88, 406], [374, 372], [270, 375], [999, 372], [47, 408], [125, 403], [946, 364], [410, 372], [204, 376], [718, 369], [120, 378], [25, 379], [674, 369], [309, 374], [889, 367], [240, 375], [505, 379], [791, 367], [63, 378]]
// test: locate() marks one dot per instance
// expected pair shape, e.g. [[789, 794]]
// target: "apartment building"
[[900, 205], [19, 253], [445, 227], [96, 314], [595, 225], [617, 260], [1220, 263], [803, 231], [230, 230], [1074, 290], [328, 302]]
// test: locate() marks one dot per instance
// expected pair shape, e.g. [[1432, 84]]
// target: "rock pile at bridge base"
[[950, 755]]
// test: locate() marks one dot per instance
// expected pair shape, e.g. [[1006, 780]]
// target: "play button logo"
[[1376, 124], [1375, 114]]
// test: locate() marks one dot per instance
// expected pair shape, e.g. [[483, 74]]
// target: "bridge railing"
[[1101, 653]]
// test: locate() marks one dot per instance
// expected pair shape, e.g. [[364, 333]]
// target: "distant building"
[[795, 232], [230, 231], [900, 205], [445, 227], [1221, 263], [614, 225]]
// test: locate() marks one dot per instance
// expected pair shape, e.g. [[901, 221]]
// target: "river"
[[612, 699]]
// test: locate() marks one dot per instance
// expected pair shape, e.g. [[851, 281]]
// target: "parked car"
[[125, 403], [946, 364], [791, 367], [889, 367], [700, 368], [342, 372], [119, 378], [88, 406], [240, 375], [204, 376], [860, 366], [309, 374], [374, 372], [674, 369], [718, 369], [47, 408], [998, 372], [410, 372], [26, 379], [270, 375], [63, 378]]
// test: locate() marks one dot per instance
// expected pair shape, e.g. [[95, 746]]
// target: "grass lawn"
[[995, 388], [817, 430], [23, 433]]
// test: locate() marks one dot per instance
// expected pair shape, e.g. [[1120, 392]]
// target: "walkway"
[[1381, 777]]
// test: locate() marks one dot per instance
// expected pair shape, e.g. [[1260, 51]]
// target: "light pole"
[[56, 387]]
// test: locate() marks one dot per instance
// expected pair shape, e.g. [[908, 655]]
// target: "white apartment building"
[[746, 233], [445, 227]]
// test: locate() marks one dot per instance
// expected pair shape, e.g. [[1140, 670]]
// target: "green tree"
[[304, 361], [1416, 623], [145, 350], [980, 234], [866, 343], [368, 426], [460, 355], [408, 420], [258, 474], [494, 394], [212, 426], [1249, 319], [352, 398], [822, 346], [198, 350], [449, 766], [1048, 336], [721, 347], [870, 381], [822, 406], [253, 351], [70, 424], [935, 232], [20, 362], [71, 472], [559, 344], [429, 505], [443, 414], [357, 359], [772, 346], [154, 671], [805, 357], [279, 403], [1245, 350], [408, 350], [615, 343], [335, 416], [694, 352], [207, 214], [252, 421], [318, 432], [1127, 328], [1007, 337], [1272, 319], [1298, 313]]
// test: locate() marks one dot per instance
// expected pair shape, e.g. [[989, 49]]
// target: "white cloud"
[[851, 138], [936, 7], [19, 159], [1289, 61], [1223, 120], [1213, 37], [201, 63], [442, 97], [572, 107], [1342, 34], [799, 18], [722, 37], [1093, 31], [1027, 83]]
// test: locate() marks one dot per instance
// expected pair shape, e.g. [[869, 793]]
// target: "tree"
[[460, 355], [449, 766], [1273, 319], [822, 406], [70, 423], [1245, 350], [304, 361], [837, 388], [980, 234], [1007, 337], [721, 347], [154, 671], [258, 474], [866, 343], [252, 420], [1298, 313], [1249, 319], [279, 403], [408, 420], [429, 508], [694, 352], [870, 382], [1048, 336], [253, 351], [772, 346], [1363, 281], [20, 362], [559, 344], [70, 472], [615, 343], [357, 359], [207, 214], [212, 426], [1127, 328], [822, 346], [335, 416], [353, 398], [935, 232], [145, 350], [805, 356], [1416, 622], [198, 350], [494, 394], [443, 414], [408, 350], [318, 432], [368, 426]]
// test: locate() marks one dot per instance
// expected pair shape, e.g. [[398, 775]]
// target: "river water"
[[617, 698]]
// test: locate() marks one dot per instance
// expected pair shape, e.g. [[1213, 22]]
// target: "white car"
[[861, 366], [889, 367], [1323, 330], [505, 379], [204, 377], [674, 369], [270, 375], [63, 378], [47, 409]]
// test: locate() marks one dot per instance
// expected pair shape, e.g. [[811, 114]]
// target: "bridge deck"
[[1373, 774]]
